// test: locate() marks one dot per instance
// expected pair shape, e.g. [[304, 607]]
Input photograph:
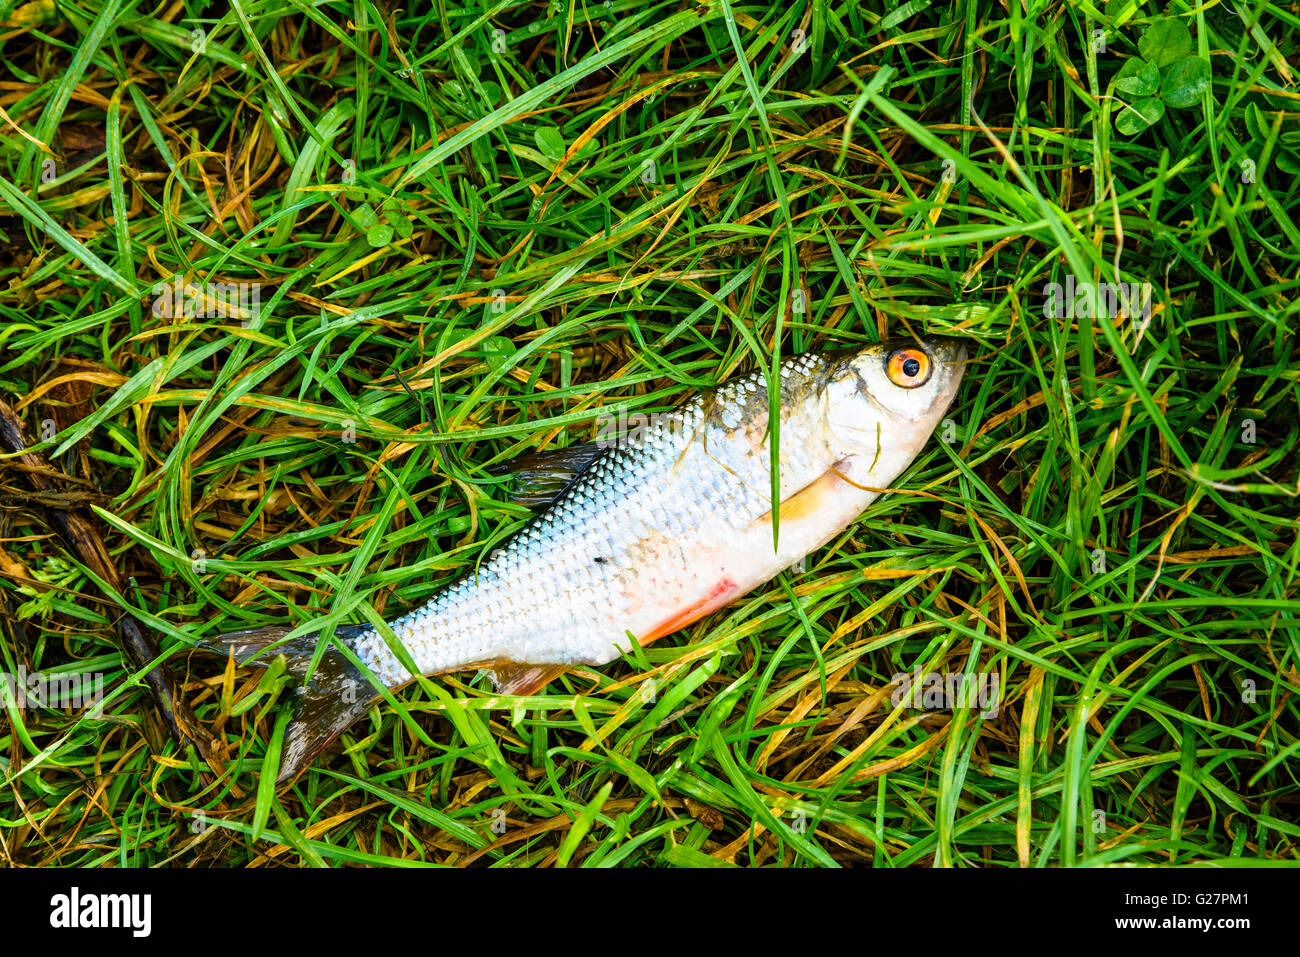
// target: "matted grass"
[[473, 231]]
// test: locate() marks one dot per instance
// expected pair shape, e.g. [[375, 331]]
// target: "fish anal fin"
[[523, 679]]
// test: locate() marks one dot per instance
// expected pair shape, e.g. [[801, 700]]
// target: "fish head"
[[883, 402]]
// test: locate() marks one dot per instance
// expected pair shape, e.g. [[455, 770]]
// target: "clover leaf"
[[1182, 84], [1136, 117], [1166, 41], [1137, 77], [550, 142], [1165, 74]]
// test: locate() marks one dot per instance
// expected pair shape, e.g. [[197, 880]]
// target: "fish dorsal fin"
[[524, 679], [541, 477]]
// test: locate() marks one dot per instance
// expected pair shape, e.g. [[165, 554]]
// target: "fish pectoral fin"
[[541, 477], [517, 679], [809, 500]]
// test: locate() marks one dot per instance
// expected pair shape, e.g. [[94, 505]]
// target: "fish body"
[[661, 527]]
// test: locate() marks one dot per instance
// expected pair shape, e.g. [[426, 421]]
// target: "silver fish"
[[657, 529]]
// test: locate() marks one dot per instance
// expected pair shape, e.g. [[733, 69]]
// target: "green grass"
[[476, 230]]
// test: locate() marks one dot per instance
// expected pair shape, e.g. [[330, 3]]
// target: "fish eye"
[[909, 368]]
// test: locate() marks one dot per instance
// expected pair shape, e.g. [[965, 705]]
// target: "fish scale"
[[700, 470], [662, 527]]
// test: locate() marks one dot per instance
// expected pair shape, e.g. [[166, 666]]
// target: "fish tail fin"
[[336, 696]]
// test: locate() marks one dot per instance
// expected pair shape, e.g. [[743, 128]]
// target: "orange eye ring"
[[909, 368]]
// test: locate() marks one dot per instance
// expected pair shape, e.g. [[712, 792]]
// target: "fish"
[[643, 532]]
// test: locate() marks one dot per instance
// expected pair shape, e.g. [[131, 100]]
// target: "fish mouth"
[[949, 355], [949, 351]]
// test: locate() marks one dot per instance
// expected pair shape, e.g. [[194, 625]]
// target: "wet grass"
[[473, 231]]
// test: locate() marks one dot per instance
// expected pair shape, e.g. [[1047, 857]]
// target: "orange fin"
[[721, 593], [808, 500], [524, 679]]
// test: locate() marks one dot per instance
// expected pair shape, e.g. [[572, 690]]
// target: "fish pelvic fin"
[[524, 679], [336, 696]]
